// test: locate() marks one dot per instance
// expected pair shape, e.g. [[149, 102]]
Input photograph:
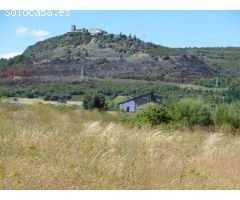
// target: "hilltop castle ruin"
[[92, 31]]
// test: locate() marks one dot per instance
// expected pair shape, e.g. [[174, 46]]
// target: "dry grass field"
[[51, 147]]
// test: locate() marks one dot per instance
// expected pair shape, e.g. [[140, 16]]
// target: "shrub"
[[233, 93], [30, 95], [94, 100], [222, 115], [113, 106], [193, 112], [101, 60], [226, 114], [153, 114], [206, 82], [47, 97]]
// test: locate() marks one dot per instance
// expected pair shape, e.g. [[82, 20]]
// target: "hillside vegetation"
[[122, 57], [111, 89]]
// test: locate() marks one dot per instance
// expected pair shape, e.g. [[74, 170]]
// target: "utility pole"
[[82, 72], [217, 92], [216, 82]]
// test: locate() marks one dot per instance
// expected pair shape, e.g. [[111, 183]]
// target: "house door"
[[128, 108]]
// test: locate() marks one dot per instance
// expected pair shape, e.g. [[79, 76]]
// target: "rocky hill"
[[106, 55]]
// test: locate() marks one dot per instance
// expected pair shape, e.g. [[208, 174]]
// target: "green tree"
[[94, 100]]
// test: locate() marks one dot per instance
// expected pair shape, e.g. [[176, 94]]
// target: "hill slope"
[[120, 56]]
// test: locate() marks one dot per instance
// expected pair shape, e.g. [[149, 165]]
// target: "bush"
[[222, 115], [47, 97], [101, 60], [227, 115], [93, 100], [30, 95], [233, 93], [206, 82], [192, 112], [113, 106], [153, 114]]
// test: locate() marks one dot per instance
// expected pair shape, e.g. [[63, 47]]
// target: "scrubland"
[[53, 147]]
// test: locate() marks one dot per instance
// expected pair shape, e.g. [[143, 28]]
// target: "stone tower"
[[73, 28]]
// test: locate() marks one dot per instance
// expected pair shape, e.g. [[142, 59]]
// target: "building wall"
[[131, 104], [138, 103], [142, 100]]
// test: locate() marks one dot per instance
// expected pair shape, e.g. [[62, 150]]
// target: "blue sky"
[[168, 28]]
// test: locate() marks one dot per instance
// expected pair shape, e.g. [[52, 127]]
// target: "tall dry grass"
[[47, 147]]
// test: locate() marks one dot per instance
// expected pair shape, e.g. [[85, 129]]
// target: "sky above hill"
[[168, 28]]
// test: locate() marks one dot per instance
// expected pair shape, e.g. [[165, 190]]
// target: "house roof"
[[136, 97]]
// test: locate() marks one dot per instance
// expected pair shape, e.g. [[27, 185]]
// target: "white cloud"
[[22, 31], [10, 55], [38, 33], [34, 33]]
